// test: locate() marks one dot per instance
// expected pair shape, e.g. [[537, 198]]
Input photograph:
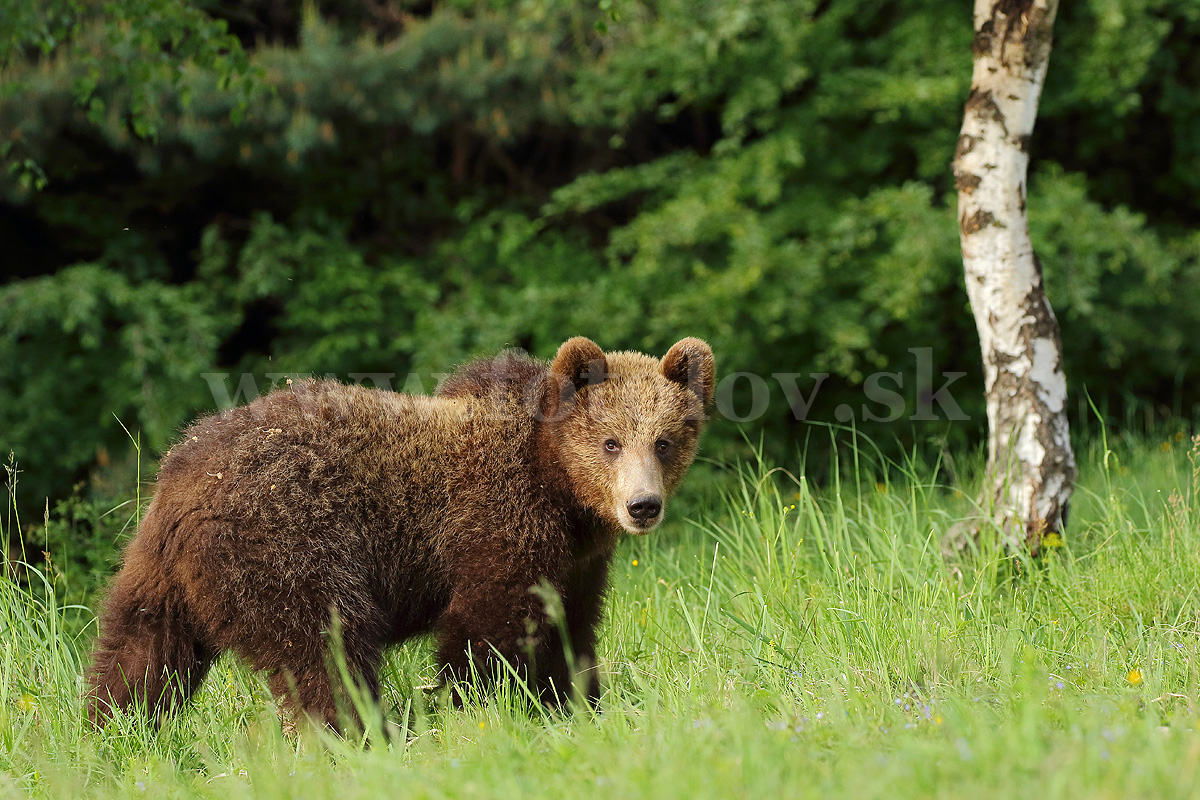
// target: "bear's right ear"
[[580, 362]]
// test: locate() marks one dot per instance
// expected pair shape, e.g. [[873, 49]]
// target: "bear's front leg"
[[491, 623], [584, 606]]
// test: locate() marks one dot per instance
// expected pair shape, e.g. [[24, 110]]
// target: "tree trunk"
[[1031, 469]]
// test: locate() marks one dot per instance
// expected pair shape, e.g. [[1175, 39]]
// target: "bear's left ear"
[[690, 362]]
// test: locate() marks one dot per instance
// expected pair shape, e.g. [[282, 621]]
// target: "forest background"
[[391, 187]]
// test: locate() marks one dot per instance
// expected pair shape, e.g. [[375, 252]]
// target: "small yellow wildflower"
[[27, 702], [1165, 447], [635, 562], [881, 488], [1134, 676], [1052, 539], [482, 724], [937, 720]]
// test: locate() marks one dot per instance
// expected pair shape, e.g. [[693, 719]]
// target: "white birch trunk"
[[1031, 468]]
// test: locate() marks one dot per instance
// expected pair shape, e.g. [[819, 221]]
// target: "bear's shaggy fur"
[[399, 515]]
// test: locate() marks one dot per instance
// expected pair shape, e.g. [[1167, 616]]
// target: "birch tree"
[[1031, 468]]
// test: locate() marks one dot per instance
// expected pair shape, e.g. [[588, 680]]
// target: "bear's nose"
[[645, 507]]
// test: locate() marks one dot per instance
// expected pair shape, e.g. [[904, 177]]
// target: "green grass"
[[784, 642]]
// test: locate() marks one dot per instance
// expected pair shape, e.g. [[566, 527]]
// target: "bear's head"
[[625, 425]]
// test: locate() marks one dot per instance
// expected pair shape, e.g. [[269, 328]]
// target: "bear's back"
[[320, 451]]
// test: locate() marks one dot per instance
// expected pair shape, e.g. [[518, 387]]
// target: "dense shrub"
[[411, 188]]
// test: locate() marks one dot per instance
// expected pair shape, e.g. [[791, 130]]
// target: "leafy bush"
[[403, 194]]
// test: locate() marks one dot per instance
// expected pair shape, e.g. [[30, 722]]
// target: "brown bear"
[[398, 515]]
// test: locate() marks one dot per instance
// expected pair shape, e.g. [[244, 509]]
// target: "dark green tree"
[[415, 183]]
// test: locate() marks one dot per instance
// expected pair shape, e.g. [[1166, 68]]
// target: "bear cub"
[[385, 516]]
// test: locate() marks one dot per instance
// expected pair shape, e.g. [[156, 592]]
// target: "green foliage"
[[81, 540], [131, 47], [94, 356], [790, 642], [334, 308], [1091, 255], [405, 192], [1128, 82]]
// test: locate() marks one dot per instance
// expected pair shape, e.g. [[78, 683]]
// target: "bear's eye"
[[662, 447], [612, 446]]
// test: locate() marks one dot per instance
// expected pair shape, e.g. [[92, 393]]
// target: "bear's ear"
[[690, 362], [580, 362]]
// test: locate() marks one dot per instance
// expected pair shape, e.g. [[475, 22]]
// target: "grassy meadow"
[[771, 640]]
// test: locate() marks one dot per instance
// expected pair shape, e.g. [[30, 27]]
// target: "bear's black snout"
[[644, 507]]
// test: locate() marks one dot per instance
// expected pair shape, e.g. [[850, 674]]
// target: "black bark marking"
[[1017, 22], [983, 104], [1014, 12], [1039, 36], [966, 182], [966, 143], [976, 222], [1016, 19], [1044, 322], [982, 44], [1012, 9]]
